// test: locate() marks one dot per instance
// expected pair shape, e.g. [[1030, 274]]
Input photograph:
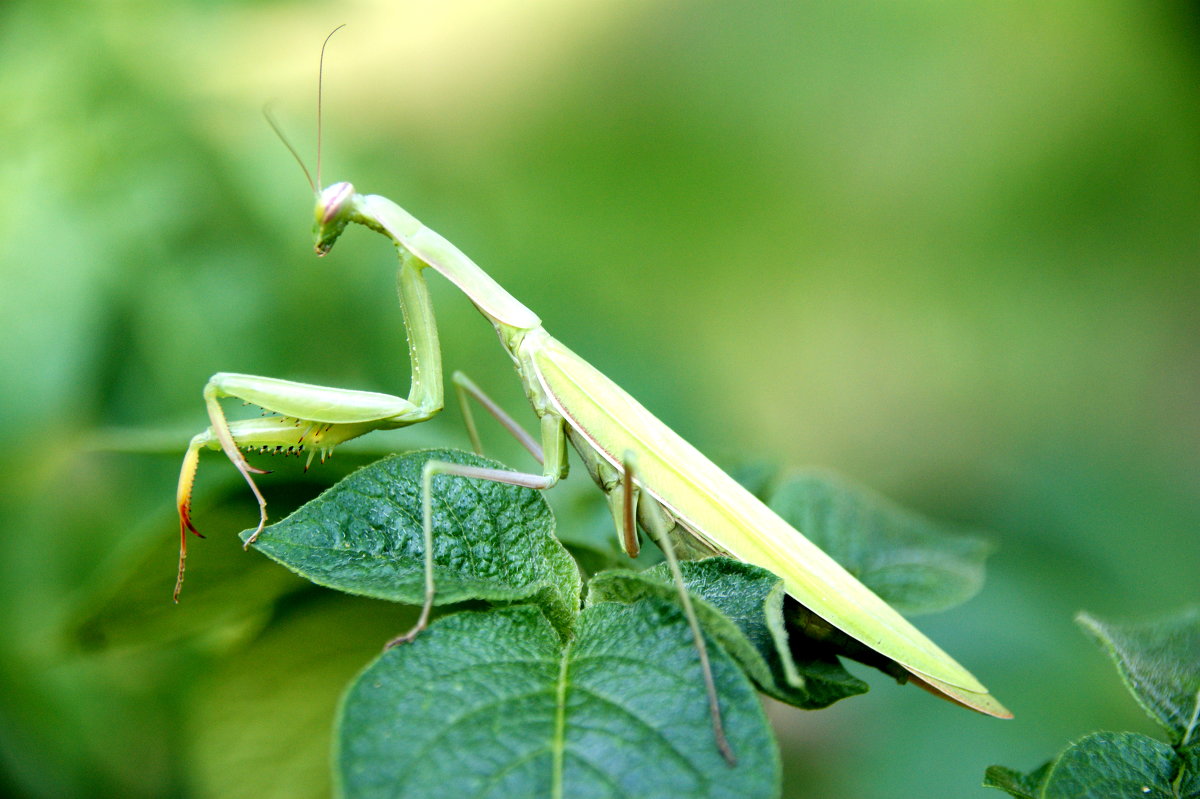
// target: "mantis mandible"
[[647, 472]]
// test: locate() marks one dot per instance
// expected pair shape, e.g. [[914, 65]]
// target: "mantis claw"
[[183, 496], [422, 622], [262, 522], [406, 638], [185, 522]]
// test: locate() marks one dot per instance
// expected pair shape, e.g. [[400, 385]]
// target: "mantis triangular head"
[[335, 207]]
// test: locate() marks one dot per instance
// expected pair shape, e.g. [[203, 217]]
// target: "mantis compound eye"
[[333, 210]]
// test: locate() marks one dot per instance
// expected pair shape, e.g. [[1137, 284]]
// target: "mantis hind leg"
[[467, 390], [632, 504]]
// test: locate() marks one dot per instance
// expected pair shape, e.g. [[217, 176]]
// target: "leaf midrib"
[[559, 744], [1191, 725]]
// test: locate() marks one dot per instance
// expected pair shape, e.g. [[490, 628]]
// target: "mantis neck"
[[380, 213]]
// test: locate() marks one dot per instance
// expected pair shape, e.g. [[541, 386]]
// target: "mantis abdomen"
[[718, 510]]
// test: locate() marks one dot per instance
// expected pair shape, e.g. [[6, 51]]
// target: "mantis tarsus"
[[675, 491]]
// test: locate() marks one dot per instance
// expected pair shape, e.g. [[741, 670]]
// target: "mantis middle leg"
[[554, 468]]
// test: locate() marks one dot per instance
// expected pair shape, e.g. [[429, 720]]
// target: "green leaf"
[[1022, 786], [903, 557], [1160, 663], [257, 722], [494, 704], [492, 541], [1189, 777], [742, 607], [1105, 765], [229, 597]]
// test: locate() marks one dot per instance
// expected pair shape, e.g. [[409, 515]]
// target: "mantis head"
[[335, 207]]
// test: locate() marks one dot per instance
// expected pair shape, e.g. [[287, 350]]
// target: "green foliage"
[[534, 696], [1159, 661]]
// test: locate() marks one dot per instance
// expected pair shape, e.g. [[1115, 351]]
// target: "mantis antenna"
[[320, 97], [314, 185], [279, 132]]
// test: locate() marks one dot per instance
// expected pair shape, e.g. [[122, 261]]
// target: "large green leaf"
[[1188, 783], [492, 541], [495, 704], [1105, 765]]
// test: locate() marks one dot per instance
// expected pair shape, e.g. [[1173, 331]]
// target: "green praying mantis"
[[647, 472]]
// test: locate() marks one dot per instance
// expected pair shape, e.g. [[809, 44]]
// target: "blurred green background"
[[948, 249]]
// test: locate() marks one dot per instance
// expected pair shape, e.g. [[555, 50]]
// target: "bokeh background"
[[948, 249]]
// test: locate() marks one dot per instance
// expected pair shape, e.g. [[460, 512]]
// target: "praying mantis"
[[647, 472]]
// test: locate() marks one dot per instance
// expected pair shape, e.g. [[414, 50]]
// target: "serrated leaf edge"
[[1140, 690]]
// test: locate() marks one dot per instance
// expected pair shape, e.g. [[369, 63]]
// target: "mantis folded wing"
[[675, 488]]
